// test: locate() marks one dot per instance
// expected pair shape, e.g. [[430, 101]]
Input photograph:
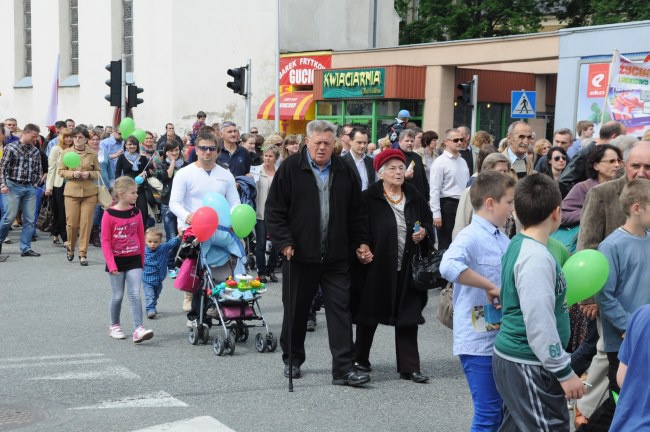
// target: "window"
[[27, 12], [74, 37], [127, 33]]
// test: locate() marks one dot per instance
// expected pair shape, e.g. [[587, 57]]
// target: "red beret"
[[386, 155]]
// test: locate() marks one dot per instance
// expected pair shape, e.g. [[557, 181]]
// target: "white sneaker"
[[192, 323], [140, 334], [115, 331]]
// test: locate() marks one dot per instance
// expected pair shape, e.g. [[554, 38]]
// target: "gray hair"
[[513, 125], [380, 173], [624, 142], [273, 149], [320, 126], [406, 133], [563, 131], [628, 150], [493, 159]]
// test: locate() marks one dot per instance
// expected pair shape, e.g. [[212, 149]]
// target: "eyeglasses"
[[523, 137], [456, 140], [207, 148], [254, 132], [611, 161], [79, 137], [557, 158]]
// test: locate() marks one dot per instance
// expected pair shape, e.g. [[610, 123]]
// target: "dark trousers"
[[58, 208], [448, 209], [334, 280], [264, 268], [406, 347], [601, 419]]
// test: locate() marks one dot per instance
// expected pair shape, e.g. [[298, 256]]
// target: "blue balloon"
[[139, 180], [219, 203]]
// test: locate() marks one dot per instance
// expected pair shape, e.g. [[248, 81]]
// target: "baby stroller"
[[237, 309]]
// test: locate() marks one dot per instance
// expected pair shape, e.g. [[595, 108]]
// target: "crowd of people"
[[346, 216]]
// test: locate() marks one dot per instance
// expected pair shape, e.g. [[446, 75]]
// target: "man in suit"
[[357, 158], [414, 166], [467, 151]]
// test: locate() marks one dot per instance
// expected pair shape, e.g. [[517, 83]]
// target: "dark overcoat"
[[385, 298]]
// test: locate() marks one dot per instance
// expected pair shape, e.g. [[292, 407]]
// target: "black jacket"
[[576, 170], [419, 179], [383, 299], [367, 160], [292, 211]]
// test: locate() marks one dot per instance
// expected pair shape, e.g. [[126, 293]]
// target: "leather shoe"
[[295, 371], [416, 377], [273, 277], [29, 253], [352, 378], [362, 368]]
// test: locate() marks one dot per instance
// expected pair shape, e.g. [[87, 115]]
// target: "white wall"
[[182, 51], [591, 41]]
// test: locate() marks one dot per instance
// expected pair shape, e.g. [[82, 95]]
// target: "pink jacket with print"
[[122, 235]]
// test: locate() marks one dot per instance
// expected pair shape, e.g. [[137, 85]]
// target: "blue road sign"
[[523, 104]]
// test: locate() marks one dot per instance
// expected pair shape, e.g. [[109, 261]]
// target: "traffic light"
[[132, 99], [115, 83], [238, 85], [465, 92]]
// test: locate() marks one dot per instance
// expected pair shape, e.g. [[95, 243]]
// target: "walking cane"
[[288, 282]]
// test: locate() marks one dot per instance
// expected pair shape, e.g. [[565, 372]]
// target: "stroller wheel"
[[193, 335], [272, 342], [229, 344], [218, 345], [260, 342]]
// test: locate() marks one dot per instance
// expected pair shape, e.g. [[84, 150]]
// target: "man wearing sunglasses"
[[448, 179], [520, 136]]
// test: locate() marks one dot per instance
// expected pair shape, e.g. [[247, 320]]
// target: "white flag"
[[52, 107]]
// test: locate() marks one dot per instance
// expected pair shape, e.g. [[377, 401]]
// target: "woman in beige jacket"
[[80, 193], [54, 186]]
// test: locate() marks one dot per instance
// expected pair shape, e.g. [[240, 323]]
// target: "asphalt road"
[[60, 371]]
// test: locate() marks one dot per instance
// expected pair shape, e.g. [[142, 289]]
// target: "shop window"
[[462, 115], [490, 119], [358, 107], [390, 108], [329, 108]]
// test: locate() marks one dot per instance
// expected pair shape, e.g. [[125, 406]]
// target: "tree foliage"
[[441, 20]]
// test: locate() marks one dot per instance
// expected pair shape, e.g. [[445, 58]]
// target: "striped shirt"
[[20, 163]]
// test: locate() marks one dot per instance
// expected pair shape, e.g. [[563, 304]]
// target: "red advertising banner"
[[298, 69], [598, 80]]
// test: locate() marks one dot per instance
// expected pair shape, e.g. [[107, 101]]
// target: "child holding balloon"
[[531, 369], [123, 247], [625, 290], [133, 164]]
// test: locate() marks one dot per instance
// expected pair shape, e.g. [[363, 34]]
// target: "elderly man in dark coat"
[[315, 216], [399, 219]]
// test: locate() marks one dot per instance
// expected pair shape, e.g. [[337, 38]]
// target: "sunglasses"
[[457, 140], [523, 137], [255, 132], [207, 148], [557, 158]]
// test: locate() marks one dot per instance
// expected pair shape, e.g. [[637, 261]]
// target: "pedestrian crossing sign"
[[523, 104]]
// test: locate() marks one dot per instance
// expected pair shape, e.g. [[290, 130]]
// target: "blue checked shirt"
[[478, 246], [155, 262]]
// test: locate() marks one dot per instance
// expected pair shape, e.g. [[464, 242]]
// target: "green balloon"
[[140, 135], [71, 159], [585, 273], [243, 219], [127, 126]]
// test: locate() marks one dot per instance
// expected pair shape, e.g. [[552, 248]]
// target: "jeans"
[[132, 279], [171, 230], [97, 216], [486, 398], [151, 294], [23, 197], [260, 250], [39, 197]]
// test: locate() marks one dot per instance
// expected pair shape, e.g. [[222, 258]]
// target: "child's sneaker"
[[140, 334], [172, 273], [152, 314], [115, 331]]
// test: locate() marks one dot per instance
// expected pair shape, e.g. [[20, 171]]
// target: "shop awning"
[[293, 106]]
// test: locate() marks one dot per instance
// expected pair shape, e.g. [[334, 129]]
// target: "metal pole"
[[374, 24], [474, 103], [247, 121], [277, 66], [122, 87]]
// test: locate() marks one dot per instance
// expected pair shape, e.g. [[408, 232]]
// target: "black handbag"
[[425, 269], [45, 220]]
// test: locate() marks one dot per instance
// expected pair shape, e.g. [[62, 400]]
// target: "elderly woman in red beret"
[[400, 219]]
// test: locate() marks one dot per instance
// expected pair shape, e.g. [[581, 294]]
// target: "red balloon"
[[204, 223]]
